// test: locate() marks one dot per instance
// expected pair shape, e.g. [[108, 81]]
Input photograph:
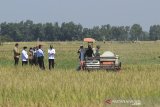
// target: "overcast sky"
[[89, 13]]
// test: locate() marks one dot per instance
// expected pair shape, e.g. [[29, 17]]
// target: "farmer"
[[89, 52], [51, 57], [16, 54], [97, 53], [40, 55], [31, 56], [81, 52], [24, 56]]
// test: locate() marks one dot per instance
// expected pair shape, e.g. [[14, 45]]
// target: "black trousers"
[[30, 61], [51, 63], [16, 60], [24, 63], [35, 60], [41, 62]]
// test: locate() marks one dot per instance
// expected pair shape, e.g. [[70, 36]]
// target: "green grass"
[[64, 87]]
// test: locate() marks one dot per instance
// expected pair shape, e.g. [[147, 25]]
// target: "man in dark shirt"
[[89, 52]]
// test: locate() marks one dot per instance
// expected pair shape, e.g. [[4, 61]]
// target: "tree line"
[[30, 31]]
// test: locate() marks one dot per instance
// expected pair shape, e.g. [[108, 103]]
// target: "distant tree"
[[145, 36], [154, 32], [29, 31], [119, 33], [96, 33], [103, 32], [79, 30], [106, 32], [71, 31], [38, 32], [127, 30], [136, 32], [49, 31], [86, 33]]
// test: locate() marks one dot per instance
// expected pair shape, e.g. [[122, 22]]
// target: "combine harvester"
[[107, 61]]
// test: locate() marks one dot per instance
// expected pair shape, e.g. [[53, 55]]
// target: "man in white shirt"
[[40, 55], [51, 57], [24, 56]]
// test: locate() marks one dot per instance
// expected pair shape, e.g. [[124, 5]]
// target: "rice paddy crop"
[[65, 87]]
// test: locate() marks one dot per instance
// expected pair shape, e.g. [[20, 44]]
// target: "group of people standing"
[[35, 56]]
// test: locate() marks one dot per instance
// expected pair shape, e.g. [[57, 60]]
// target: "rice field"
[[65, 87]]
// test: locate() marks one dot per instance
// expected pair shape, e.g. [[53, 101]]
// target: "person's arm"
[[54, 51], [42, 52], [51, 52], [93, 54], [25, 54], [78, 51], [18, 52]]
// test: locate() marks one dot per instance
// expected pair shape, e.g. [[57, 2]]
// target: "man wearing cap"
[[51, 57], [16, 54], [24, 56], [40, 55]]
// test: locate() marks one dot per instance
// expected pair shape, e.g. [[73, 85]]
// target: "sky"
[[88, 13]]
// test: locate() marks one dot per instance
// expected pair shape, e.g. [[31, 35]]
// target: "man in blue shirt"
[[81, 52], [40, 55]]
